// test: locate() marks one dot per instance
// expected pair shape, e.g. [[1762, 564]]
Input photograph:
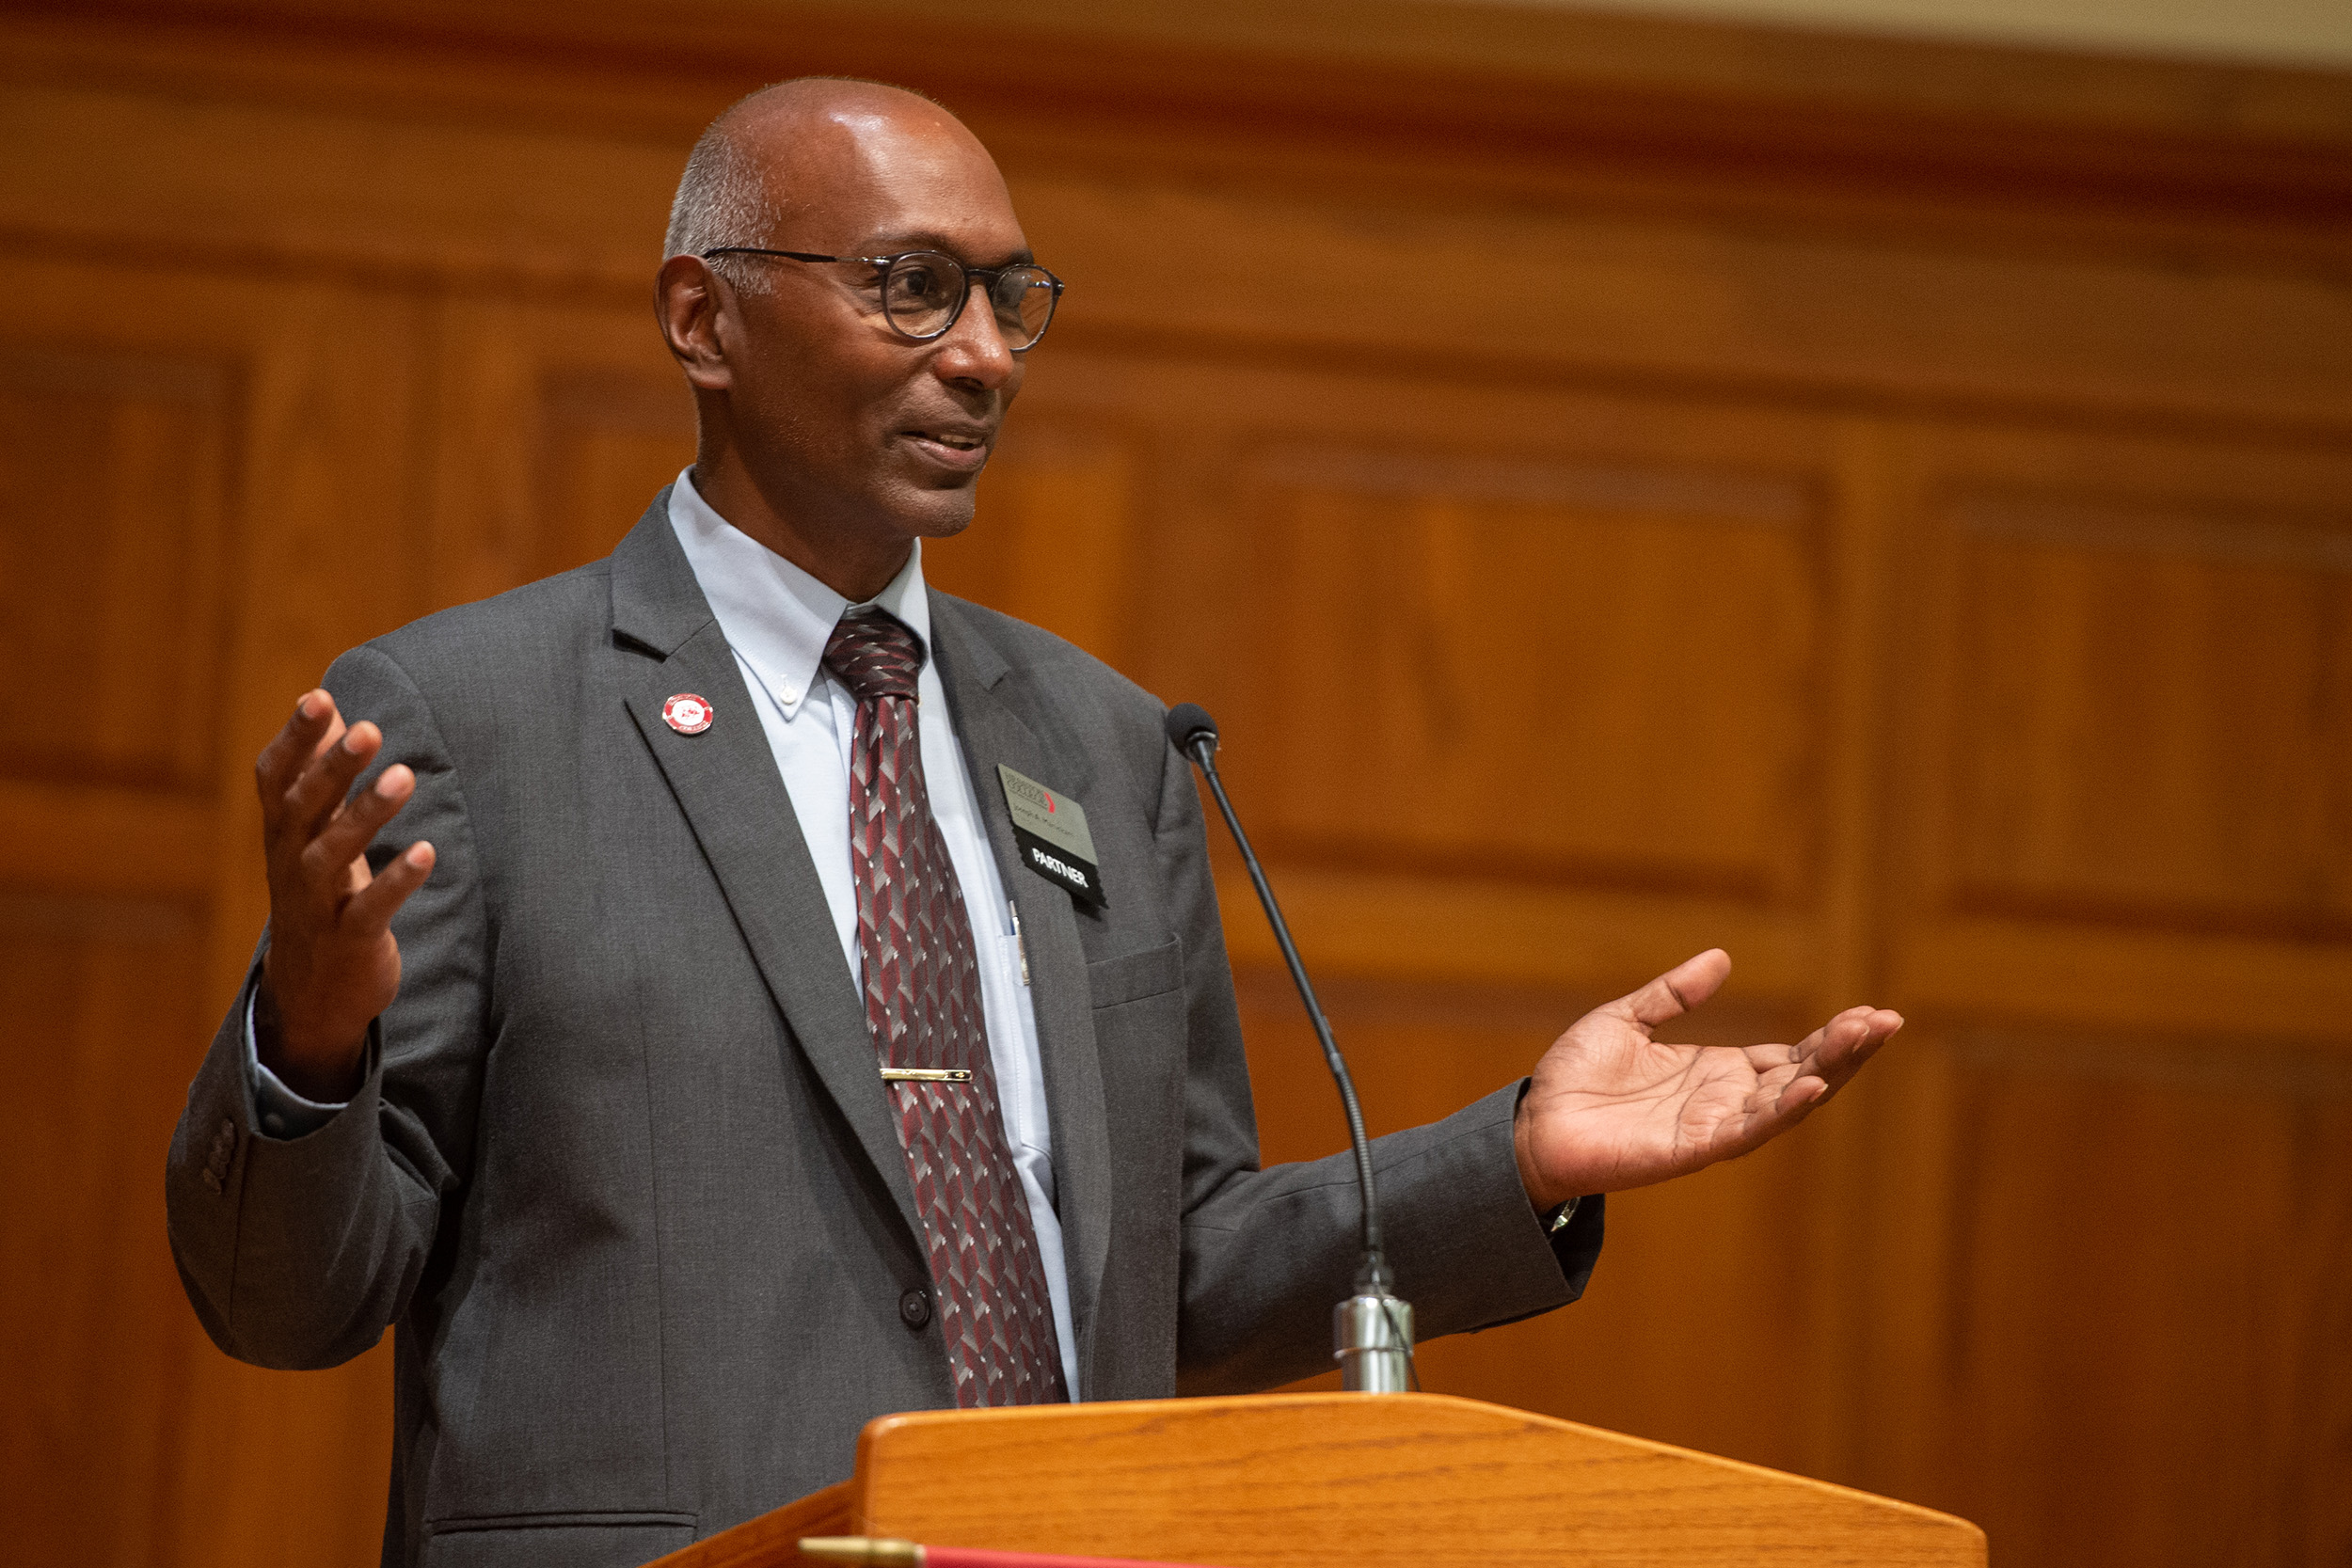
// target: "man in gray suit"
[[713, 1061]]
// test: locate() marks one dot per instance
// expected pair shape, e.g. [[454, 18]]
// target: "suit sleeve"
[[298, 1252], [1268, 1253]]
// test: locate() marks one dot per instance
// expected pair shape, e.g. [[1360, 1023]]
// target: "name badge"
[[1050, 829]]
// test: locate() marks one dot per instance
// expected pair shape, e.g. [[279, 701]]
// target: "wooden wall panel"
[[2130, 706], [606, 445], [2140, 1345], [246, 514], [97, 1001], [113, 493], [1614, 290], [2127, 713], [556, 425], [1488, 628], [2156, 715]]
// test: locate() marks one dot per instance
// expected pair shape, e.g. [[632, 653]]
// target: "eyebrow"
[[894, 244]]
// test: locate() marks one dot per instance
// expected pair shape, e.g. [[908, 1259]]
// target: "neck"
[[852, 564]]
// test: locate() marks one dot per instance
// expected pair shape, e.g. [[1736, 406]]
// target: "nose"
[[971, 354]]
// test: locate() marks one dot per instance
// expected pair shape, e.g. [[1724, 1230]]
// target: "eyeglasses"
[[923, 291]]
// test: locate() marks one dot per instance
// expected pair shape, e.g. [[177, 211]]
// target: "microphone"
[[1372, 1330]]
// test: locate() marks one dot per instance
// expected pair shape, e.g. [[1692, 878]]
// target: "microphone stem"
[[1375, 1267]]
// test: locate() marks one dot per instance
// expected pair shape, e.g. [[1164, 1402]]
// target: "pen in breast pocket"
[[1018, 945]]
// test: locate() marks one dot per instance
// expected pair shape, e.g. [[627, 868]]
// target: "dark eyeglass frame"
[[987, 276]]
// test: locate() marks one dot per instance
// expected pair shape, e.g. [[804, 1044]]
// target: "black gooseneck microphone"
[[1373, 1329]]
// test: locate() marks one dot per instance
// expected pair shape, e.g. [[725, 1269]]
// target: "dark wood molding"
[[1530, 94]]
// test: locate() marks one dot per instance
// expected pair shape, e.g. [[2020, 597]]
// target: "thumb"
[[1680, 991]]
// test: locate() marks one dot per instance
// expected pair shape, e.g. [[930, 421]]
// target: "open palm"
[[1611, 1106]]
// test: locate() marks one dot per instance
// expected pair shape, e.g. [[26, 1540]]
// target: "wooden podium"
[[1333, 1481]]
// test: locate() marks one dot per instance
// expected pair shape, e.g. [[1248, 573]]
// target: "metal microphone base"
[[1372, 1336]]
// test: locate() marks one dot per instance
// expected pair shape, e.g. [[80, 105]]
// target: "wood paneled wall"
[[1624, 486]]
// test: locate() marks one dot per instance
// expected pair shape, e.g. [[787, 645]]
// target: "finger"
[[1798, 1097], [1845, 1042], [372, 908], [341, 841], [1683, 988], [1858, 1056], [1879, 1027], [1769, 1112], [1826, 1041], [1827, 1060], [312, 802], [315, 723]]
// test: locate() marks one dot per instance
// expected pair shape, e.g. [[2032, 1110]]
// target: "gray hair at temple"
[[723, 198]]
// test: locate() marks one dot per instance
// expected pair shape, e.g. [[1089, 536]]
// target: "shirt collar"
[[776, 616]]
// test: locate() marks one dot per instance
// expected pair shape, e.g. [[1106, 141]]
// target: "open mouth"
[[963, 450]]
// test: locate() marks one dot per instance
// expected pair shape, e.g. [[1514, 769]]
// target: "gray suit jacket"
[[622, 1175]]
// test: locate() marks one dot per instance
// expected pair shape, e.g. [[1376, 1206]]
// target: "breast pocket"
[[1126, 977]]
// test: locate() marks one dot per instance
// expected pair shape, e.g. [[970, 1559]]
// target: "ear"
[[688, 300]]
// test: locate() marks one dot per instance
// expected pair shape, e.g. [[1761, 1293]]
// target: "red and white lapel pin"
[[687, 713]]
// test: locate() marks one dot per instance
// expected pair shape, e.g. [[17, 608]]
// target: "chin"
[[940, 514]]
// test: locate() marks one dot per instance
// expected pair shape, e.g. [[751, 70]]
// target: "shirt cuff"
[[278, 1111]]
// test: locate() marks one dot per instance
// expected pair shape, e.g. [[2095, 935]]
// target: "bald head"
[[830, 428], [798, 148]]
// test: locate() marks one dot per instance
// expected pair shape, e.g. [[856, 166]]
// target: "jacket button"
[[915, 1308]]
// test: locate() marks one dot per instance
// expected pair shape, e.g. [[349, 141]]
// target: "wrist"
[[1543, 1195], [328, 1073]]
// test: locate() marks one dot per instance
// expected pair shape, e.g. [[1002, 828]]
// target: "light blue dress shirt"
[[777, 619]]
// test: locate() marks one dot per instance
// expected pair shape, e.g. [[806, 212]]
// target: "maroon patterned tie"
[[923, 1006]]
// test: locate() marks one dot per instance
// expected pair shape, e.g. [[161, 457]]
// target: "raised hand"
[[1612, 1107], [332, 964]]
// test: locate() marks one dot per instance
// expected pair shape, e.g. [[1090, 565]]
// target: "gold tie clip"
[[927, 1075]]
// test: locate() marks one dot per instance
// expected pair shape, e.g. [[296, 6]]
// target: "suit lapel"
[[725, 782], [980, 690]]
